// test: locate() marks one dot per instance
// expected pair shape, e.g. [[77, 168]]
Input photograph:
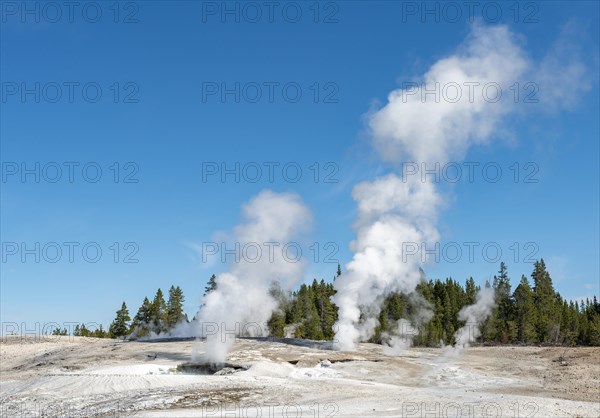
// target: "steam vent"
[[209, 368]]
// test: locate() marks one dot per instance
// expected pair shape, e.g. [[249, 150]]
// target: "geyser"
[[394, 211], [241, 302]]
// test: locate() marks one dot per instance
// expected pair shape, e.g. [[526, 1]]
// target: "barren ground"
[[80, 377]]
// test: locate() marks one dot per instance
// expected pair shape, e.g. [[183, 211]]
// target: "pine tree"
[[84, 331], [140, 325], [99, 333], [175, 313], [584, 324], [298, 311], [277, 322], [594, 331], [447, 318], [471, 291], [211, 285], [120, 326], [158, 312], [328, 313], [298, 308], [504, 310], [59, 331], [525, 312], [544, 301], [312, 321]]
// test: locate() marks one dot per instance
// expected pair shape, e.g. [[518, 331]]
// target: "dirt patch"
[[208, 398]]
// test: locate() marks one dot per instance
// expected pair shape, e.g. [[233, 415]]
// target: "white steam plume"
[[395, 212], [474, 315], [242, 303], [400, 340]]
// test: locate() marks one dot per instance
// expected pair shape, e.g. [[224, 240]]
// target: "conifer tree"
[[141, 321], [175, 313], [504, 310], [525, 312], [120, 326], [211, 285], [328, 314], [277, 324], [471, 291], [158, 312], [84, 331], [544, 301]]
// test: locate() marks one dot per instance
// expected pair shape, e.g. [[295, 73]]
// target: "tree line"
[[534, 312], [158, 316]]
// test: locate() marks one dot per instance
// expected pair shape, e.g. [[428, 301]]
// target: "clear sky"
[[156, 94]]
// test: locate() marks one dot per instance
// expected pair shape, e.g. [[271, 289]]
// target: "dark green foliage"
[[140, 327], [311, 312], [175, 313], [58, 331], [120, 326], [81, 331], [527, 315], [277, 324], [525, 312], [158, 313], [99, 333], [544, 302], [211, 285], [503, 313]]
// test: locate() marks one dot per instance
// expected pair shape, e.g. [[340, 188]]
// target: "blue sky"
[[166, 61]]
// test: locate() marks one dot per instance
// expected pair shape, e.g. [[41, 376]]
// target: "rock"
[[225, 371]]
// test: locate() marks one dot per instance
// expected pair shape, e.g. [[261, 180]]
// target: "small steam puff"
[[474, 315], [241, 304]]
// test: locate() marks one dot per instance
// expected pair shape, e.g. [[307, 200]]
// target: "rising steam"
[[241, 304], [474, 315], [395, 211]]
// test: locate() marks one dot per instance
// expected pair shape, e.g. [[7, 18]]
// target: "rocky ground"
[[81, 377]]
